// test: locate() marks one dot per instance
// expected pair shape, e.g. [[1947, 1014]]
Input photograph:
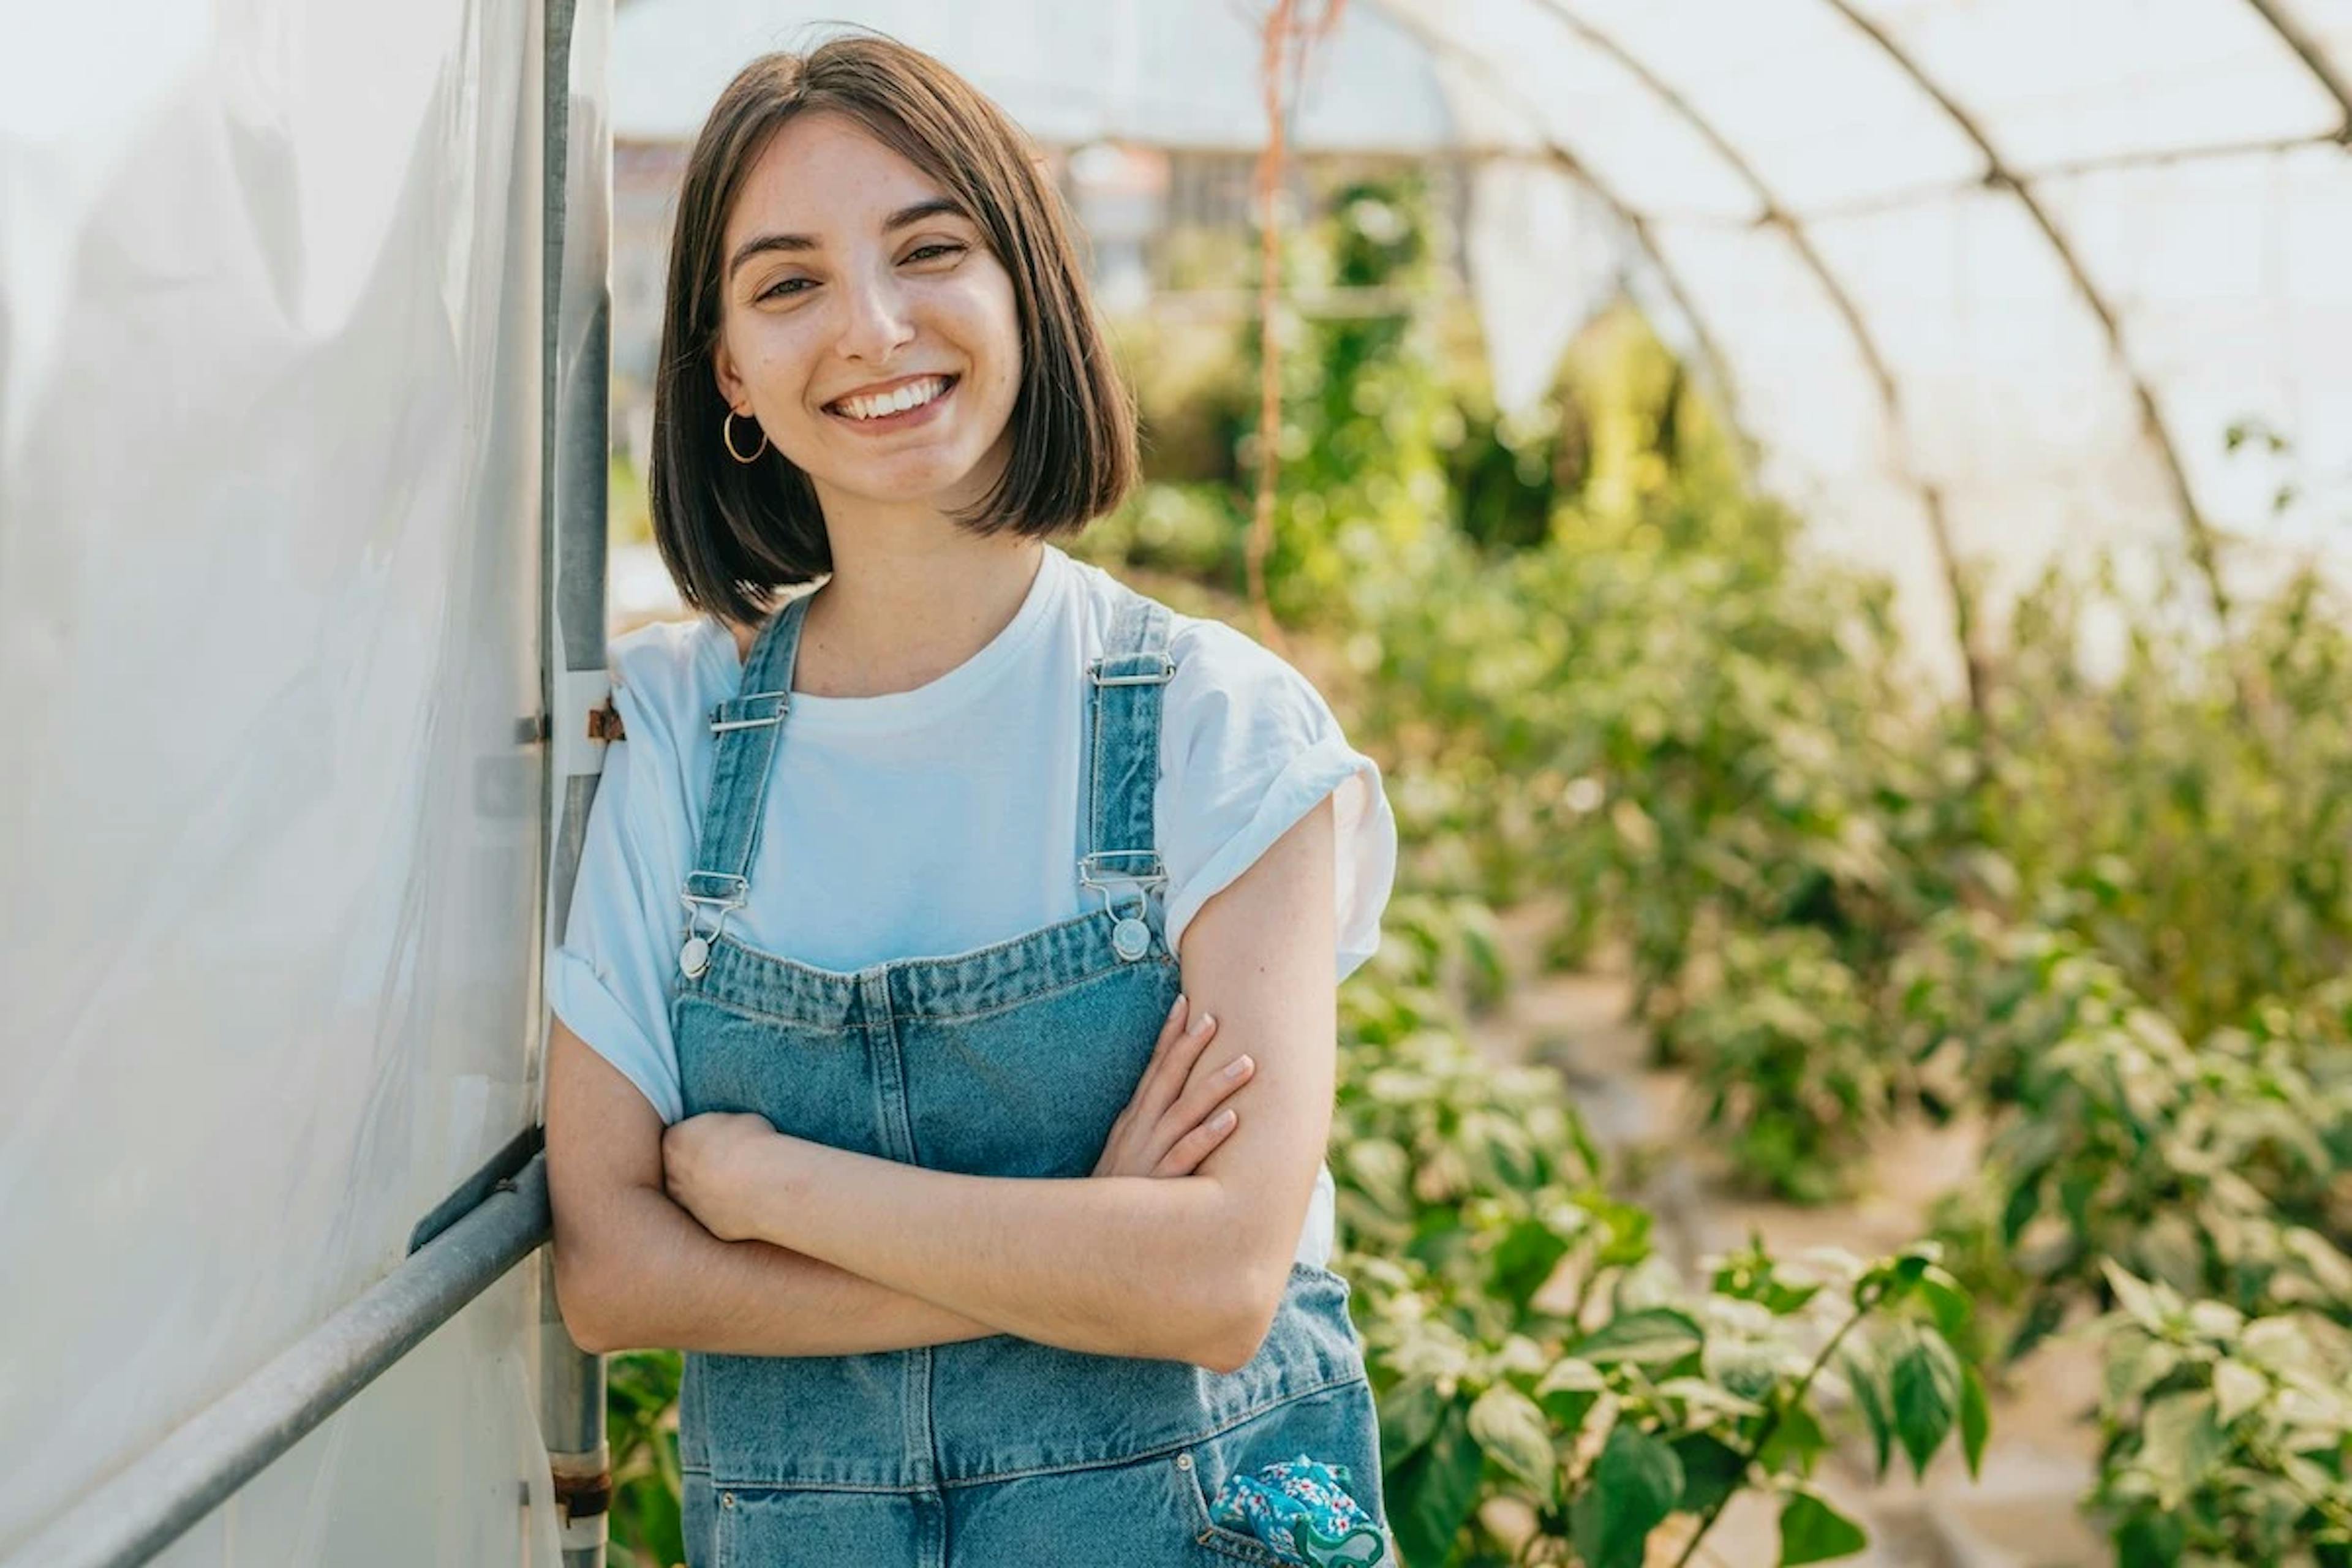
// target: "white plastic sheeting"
[[269, 568], [2004, 269], [1997, 271], [1166, 72]]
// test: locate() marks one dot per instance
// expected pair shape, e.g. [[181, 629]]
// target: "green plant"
[[641, 1433], [2218, 1170], [1789, 1060], [2225, 1439], [1527, 1346]]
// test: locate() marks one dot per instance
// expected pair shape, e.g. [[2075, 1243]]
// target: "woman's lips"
[[905, 417]]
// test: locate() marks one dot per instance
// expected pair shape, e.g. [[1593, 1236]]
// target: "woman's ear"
[[730, 385]]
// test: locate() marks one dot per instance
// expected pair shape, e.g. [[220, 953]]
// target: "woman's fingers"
[[1196, 1146], [1182, 1038], [1171, 1029], [1198, 1107], [1203, 1098]]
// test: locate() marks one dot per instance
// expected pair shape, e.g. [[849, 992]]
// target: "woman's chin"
[[937, 486]]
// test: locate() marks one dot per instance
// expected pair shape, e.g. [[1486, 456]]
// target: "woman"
[[883, 1081]]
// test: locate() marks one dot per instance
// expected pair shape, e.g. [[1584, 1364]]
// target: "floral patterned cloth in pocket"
[[1301, 1508]]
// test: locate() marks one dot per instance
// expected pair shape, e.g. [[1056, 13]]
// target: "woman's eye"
[[784, 290]]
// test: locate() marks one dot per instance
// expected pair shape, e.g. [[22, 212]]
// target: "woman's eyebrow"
[[760, 244]]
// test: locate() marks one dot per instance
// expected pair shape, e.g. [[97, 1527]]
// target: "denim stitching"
[[1164, 1451], [1159, 959]]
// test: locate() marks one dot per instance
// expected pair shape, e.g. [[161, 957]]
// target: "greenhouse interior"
[[1833, 519]]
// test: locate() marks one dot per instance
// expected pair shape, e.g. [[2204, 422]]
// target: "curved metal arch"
[[2314, 60], [1890, 393], [2064, 169], [1718, 366], [2001, 176]]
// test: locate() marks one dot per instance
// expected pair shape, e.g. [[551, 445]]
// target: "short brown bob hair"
[[732, 533]]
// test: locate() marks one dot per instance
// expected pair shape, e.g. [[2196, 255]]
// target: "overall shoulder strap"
[[1123, 756], [745, 728]]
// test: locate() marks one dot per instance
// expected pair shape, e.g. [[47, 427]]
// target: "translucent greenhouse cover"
[[1981, 281], [270, 294]]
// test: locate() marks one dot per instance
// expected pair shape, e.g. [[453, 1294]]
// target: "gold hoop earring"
[[727, 434]]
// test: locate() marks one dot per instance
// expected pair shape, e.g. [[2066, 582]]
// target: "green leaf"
[[1949, 1301], [1712, 1470], [2136, 1298], [2132, 1364], [1524, 1260], [1651, 1337], [1976, 1419], [1748, 1370], [1409, 1413], [2237, 1388], [1567, 1391], [1814, 1531], [1507, 1425], [648, 1516], [1864, 1365], [1926, 1395], [1629, 1492], [1434, 1490], [2150, 1541], [2044, 1311], [2024, 1202], [1795, 1443], [2180, 1442]]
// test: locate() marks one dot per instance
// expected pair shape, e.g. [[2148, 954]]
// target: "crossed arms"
[[837, 1253]]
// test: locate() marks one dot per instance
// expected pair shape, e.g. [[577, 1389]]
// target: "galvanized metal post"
[[575, 347]]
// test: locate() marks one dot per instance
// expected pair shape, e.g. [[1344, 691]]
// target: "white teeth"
[[912, 395]]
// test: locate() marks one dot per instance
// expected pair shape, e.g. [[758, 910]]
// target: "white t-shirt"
[[929, 823]]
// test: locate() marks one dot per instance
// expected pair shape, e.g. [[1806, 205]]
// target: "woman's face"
[[825, 298]]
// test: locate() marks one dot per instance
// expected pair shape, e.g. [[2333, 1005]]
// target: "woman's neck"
[[905, 606]]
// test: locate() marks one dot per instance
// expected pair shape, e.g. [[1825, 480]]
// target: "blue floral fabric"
[[1301, 1508]]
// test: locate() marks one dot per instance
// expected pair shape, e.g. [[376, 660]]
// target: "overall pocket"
[[1338, 1427]]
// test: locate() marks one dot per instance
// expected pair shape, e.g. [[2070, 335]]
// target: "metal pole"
[[136, 1514], [575, 352]]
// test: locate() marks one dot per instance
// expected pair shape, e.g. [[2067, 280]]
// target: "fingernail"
[[1223, 1120], [1200, 1025], [1177, 1007], [1237, 1066]]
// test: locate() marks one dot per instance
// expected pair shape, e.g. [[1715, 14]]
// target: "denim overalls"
[[1010, 1060]]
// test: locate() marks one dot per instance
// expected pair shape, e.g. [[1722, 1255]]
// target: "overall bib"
[[1010, 1060]]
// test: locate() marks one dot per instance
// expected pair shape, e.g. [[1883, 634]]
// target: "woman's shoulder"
[[668, 674], [1212, 648], [1223, 673]]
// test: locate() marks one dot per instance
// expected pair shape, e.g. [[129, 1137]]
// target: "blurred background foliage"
[[2106, 918]]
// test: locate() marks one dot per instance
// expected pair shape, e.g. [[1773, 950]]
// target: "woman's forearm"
[[663, 1280], [1127, 1265]]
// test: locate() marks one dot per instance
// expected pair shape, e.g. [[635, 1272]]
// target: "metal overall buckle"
[[695, 956], [1131, 938]]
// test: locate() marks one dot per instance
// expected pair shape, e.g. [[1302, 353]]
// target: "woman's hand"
[[712, 1165], [1166, 1128]]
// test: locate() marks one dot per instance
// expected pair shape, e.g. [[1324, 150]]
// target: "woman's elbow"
[[1254, 1297], [584, 1300]]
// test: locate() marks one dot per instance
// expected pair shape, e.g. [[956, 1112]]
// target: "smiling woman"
[[812, 316], [850, 225], [945, 1013]]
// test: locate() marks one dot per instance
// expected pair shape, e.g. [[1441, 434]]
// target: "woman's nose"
[[877, 320]]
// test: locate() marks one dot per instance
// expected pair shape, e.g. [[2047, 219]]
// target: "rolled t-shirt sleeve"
[[1247, 748], [610, 979]]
